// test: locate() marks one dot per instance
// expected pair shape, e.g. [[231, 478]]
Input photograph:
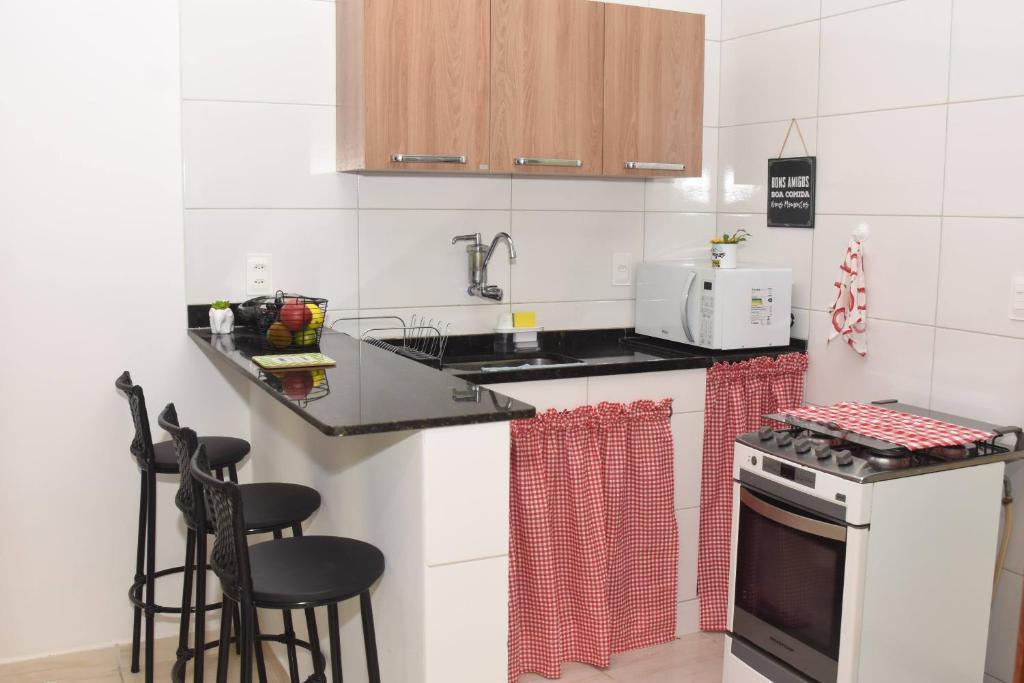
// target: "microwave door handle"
[[684, 304], [792, 520]]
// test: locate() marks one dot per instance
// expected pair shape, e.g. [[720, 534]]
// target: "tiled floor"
[[695, 658], [113, 665]]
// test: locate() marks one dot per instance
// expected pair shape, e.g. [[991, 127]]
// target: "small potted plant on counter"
[[222, 319], [724, 248]]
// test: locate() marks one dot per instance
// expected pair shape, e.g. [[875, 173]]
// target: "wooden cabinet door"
[[547, 76], [425, 86], [653, 92]]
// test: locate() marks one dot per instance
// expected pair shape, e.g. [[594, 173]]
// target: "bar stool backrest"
[[229, 557], [142, 442], [185, 443]]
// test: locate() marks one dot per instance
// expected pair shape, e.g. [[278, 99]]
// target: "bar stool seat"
[[311, 571], [275, 506], [224, 451]]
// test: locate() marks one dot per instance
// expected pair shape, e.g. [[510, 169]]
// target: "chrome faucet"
[[479, 257]]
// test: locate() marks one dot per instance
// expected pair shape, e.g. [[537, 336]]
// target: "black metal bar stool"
[[303, 572], [269, 508], [153, 459]]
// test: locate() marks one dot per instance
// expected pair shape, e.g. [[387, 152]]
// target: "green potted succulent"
[[724, 248]]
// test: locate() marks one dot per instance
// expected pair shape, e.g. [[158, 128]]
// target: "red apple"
[[297, 385], [295, 315]]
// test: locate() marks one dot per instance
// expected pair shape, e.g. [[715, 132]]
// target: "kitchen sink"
[[507, 362]]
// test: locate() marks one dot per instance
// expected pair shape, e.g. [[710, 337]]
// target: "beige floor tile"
[[696, 658], [572, 672], [94, 666]]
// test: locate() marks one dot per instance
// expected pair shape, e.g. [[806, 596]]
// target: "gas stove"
[[864, 459]]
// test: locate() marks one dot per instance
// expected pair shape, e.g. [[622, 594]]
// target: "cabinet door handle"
[[428, 159], [540, 161], [653, 166]]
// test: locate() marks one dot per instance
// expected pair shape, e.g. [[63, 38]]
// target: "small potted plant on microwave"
[[724, 248]]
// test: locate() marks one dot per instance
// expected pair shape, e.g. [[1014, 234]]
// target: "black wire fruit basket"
[[286, 322]]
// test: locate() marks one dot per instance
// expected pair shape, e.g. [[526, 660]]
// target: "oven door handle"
[[792, 520]]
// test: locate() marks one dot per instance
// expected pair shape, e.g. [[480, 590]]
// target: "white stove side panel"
[[928, 586]]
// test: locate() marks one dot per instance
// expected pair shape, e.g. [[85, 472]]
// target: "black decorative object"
[[791, 189]]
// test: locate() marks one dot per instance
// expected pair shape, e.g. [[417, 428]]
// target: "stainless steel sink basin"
[[505, 363]]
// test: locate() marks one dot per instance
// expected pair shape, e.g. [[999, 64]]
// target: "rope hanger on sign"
[[789, 131]]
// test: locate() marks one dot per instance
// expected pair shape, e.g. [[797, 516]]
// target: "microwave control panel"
[[706, 335]]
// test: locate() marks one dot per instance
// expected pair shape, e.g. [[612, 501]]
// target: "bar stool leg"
[[225, 640], [247, 641], [314, 644], [335, 633], [150, 573], [199, 660], [232, 474], [289, 633], [369, 637], [186, 591], [140, 558], [257, 644]]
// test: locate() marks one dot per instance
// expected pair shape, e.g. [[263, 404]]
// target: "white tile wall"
[[907, 63], [985, 159], [887, 162], [915, 127], [678, 236], [752, 91], [987, 50], [258, 133]]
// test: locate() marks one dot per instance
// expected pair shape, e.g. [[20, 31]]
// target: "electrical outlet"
[[622, 269], [259, 274]]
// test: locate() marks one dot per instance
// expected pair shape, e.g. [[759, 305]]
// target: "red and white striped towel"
[[912, 431], [850, 307]]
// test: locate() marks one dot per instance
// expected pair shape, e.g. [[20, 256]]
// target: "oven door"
[[789, 577]]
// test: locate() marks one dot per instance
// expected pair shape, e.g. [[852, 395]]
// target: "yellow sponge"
[[524, 319]]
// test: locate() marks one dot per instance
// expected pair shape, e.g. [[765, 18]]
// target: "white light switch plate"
[[622, 269], [259, 274], [1017, 297]]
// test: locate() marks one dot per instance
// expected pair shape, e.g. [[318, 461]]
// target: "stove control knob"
[[784, 439], [821, 450], [802, 445], [766, 433], [844, 458]]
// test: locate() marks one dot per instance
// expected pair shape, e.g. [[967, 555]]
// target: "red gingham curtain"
[[593, 552], [738, 394]]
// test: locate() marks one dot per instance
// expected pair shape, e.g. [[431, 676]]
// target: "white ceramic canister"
[[724, 255]]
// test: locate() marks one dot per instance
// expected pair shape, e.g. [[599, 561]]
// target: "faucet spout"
[[494, 243]]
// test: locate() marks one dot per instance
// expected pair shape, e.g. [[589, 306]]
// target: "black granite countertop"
[[602, 352], [369, 391]]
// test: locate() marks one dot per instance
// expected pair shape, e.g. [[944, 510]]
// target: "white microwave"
[[714, 308]]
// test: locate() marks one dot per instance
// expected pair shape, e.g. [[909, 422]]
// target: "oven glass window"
[[791, 579]]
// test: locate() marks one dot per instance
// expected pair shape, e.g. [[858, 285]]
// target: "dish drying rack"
[[423, 339]]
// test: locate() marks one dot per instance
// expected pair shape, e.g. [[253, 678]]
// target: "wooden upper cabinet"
[[653, 92], [413, 85], [547, 78]]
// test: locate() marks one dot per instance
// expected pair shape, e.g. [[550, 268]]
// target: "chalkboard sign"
[[791, 187]]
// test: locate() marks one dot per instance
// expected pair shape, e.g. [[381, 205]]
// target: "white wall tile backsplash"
[[985, 158], [284, 54], [740, 17], [670, 236], [407, 259], [896, 55], [688, 194], [259, 156], [915, 127], [887, 162], [987, 50], [753, 92], [567, 255]]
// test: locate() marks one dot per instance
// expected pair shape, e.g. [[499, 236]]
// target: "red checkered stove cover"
[[903, 429]]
